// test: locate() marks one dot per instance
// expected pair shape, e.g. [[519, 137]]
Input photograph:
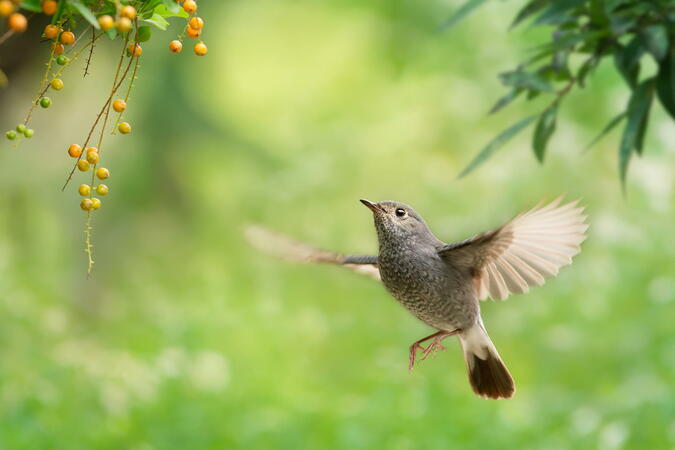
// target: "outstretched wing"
[[289, 249], [522, 253]]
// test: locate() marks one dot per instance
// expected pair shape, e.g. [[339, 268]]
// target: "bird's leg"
[[431, 348]]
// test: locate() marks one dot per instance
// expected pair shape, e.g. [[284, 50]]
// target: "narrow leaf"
[[530, 8], [558, 12], [609, 127], [543, 132], [467, 8], [31, 5], [86, 13], [501, 139], [665, 84], [638, 109], [505, 100], [656, 39]]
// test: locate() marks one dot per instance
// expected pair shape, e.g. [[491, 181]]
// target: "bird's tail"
[[488, 375]]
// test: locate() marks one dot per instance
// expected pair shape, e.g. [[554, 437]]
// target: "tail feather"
[[488, 375]]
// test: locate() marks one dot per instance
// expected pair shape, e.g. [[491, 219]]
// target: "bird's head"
[[397, 221]]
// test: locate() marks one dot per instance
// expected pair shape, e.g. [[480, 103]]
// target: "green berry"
[[62, 60], [29, 132], [11, 135], [45, 102], [21, 128]]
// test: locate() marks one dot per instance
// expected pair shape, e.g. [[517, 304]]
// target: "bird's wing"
[[289, 249], [524, 252]]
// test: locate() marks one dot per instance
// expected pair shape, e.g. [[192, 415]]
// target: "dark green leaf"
[[501, 139], [467, 8], [31, 5], [543, 132], [533, 7], [558, 12], [627, 60], [505, 100], [144, 34], [526, 80], [86, 13], [656, 39], [637, 112], [665, 84], [609, 127], [585, 69]]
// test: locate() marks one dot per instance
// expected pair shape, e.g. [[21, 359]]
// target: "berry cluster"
[[194, 29], [75, 28]]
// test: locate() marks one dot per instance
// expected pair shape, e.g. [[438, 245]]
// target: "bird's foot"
[[430, 349]]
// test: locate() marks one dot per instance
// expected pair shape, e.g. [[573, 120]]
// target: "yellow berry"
[[134, 50], [129, 12], [190, 6], [102, 173], [124, 128], [196, 22], [106, 22], [83, 165], [6, 8], [49, 7], [92, 157], [51, 31], [75, 150], [84, 190], [102, 189], [176, 46], [95, 203], [119, 105], [123, 25], [67, 38], [200, 49], [86, 204], [17, 22], [56, 84]]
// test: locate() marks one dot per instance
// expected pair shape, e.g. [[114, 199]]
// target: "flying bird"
[[441, 284]]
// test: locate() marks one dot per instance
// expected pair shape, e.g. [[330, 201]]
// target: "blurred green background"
[[185, 337]]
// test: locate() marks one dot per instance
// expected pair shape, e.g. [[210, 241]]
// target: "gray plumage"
[[441, 284]]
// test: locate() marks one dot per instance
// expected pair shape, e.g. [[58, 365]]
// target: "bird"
[[442, 284]]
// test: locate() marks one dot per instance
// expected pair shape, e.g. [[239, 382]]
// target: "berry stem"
[[126, 97]]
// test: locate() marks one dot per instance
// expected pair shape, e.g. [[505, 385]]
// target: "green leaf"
[[501, 139], [31, 5], [144, 34], [543, 132], [558, 12], [158, 21], [665, 84], [86, 13], [609, 127], [656, 39], [530, 8], [526, 80], [172, 6], [627, 60], [165, 12], [637, 112], [505, 100], [586, 68], [467, 8]]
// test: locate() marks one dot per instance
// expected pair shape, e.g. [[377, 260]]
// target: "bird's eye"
[[400, 212]]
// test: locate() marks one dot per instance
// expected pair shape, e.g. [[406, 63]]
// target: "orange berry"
[[95, 203], [92, 150], [176, 46], [83, 165], [192, 32], [6, 8], [134, 50], [58, 48], [67, 38], [49, 7], [75, 150], [190, 6], [102, 173], [123, 25], [129, 12], [86, 204], [196, 22], [124, 128], [92, 157], [17, 22], [84, 190], [119, 105], [102, 189], [200, 49], [106, 22], [51, 31]]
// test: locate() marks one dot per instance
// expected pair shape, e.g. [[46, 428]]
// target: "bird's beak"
[[374, 207]]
